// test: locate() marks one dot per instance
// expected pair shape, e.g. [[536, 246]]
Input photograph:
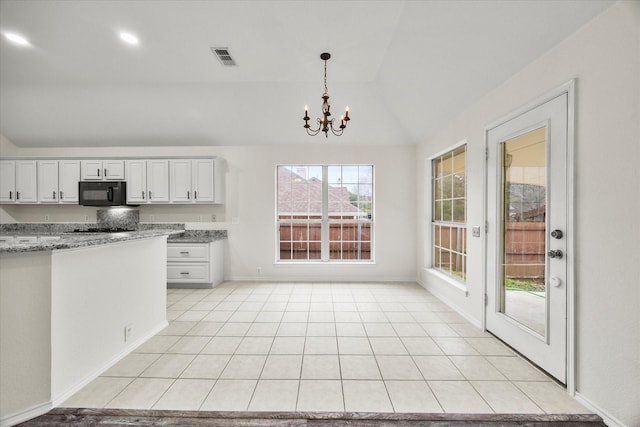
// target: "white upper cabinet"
[[102, 170], [196, 181], [26, 181], [147, 181], [202, 180], [180, 179], [154, 180], [48, 181], [68, 177], [158, 181], [7, 181], [58, 181], [136, 171]]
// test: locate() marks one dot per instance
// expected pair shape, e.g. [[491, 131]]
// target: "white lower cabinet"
[[195, 264], [6, 240]]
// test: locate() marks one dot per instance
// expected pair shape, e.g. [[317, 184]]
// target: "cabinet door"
[[68, 177], [136, 181], [158, 181], [91, 170], [7, 181], [26, 181], [180, 181], [202, 180], [48, 181], [113, 169]]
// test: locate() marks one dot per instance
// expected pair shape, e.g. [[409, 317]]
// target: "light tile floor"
[[322, 347]]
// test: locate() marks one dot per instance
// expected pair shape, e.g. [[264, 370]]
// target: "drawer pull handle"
[[184, 252], [187, 273]]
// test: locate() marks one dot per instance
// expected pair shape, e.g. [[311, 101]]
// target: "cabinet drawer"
[[187, 252], [6, 240], [187, 272], [26, 239]]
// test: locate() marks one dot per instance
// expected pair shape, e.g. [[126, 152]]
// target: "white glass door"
[[526, 238]]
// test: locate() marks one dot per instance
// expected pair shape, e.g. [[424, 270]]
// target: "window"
[[325, 213], [449, 213]]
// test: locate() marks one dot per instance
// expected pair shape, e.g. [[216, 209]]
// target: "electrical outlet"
[[46, 217], [152, 218], [128, 331], [199, 218], [259, 270], [86, 217]]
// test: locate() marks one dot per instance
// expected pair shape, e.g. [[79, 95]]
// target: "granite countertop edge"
[[198, 236], [80, 241], [68, 240]]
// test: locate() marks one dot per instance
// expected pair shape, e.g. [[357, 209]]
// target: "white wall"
[[604, 56], [250, 197], [25, 336], [95, 292]]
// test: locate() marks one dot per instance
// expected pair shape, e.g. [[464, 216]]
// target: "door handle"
[[105, 172], [10, 195], [143, 195], [61, 195], [98, 171], [54, 195], [557, 234], [555, 254]]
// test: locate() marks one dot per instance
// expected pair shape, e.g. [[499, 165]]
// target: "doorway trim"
[[569, 89]]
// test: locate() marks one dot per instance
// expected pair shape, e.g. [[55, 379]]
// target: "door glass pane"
[[524, 183]]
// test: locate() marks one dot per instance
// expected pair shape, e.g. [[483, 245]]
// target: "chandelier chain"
[[326, 91]]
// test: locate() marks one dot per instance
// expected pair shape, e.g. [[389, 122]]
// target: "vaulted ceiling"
[[402, 67]]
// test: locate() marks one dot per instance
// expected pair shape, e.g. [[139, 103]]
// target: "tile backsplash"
[[118, 217]]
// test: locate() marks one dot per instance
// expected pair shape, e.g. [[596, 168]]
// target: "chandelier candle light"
[[326, 122]]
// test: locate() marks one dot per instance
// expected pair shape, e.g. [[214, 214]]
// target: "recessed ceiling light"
[[129, 38], [17, 39]]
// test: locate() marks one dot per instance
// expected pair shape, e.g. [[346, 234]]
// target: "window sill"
[[448, 280]]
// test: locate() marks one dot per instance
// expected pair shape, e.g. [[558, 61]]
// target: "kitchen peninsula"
[[70, 308]]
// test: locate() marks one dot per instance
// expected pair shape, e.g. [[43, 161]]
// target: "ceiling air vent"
[[223, 55]]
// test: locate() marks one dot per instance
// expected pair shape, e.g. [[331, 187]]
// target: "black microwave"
[[102, 193]]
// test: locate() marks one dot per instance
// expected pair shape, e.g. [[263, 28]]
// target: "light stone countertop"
[[79, 240], [198, 236]]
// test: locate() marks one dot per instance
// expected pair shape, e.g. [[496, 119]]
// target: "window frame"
[[325, 221], [458, 280]]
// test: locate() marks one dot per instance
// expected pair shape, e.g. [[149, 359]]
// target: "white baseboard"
[[332, 279], [57, 400], [436, 293], [608, 419], [25, 415], [43, 408]]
